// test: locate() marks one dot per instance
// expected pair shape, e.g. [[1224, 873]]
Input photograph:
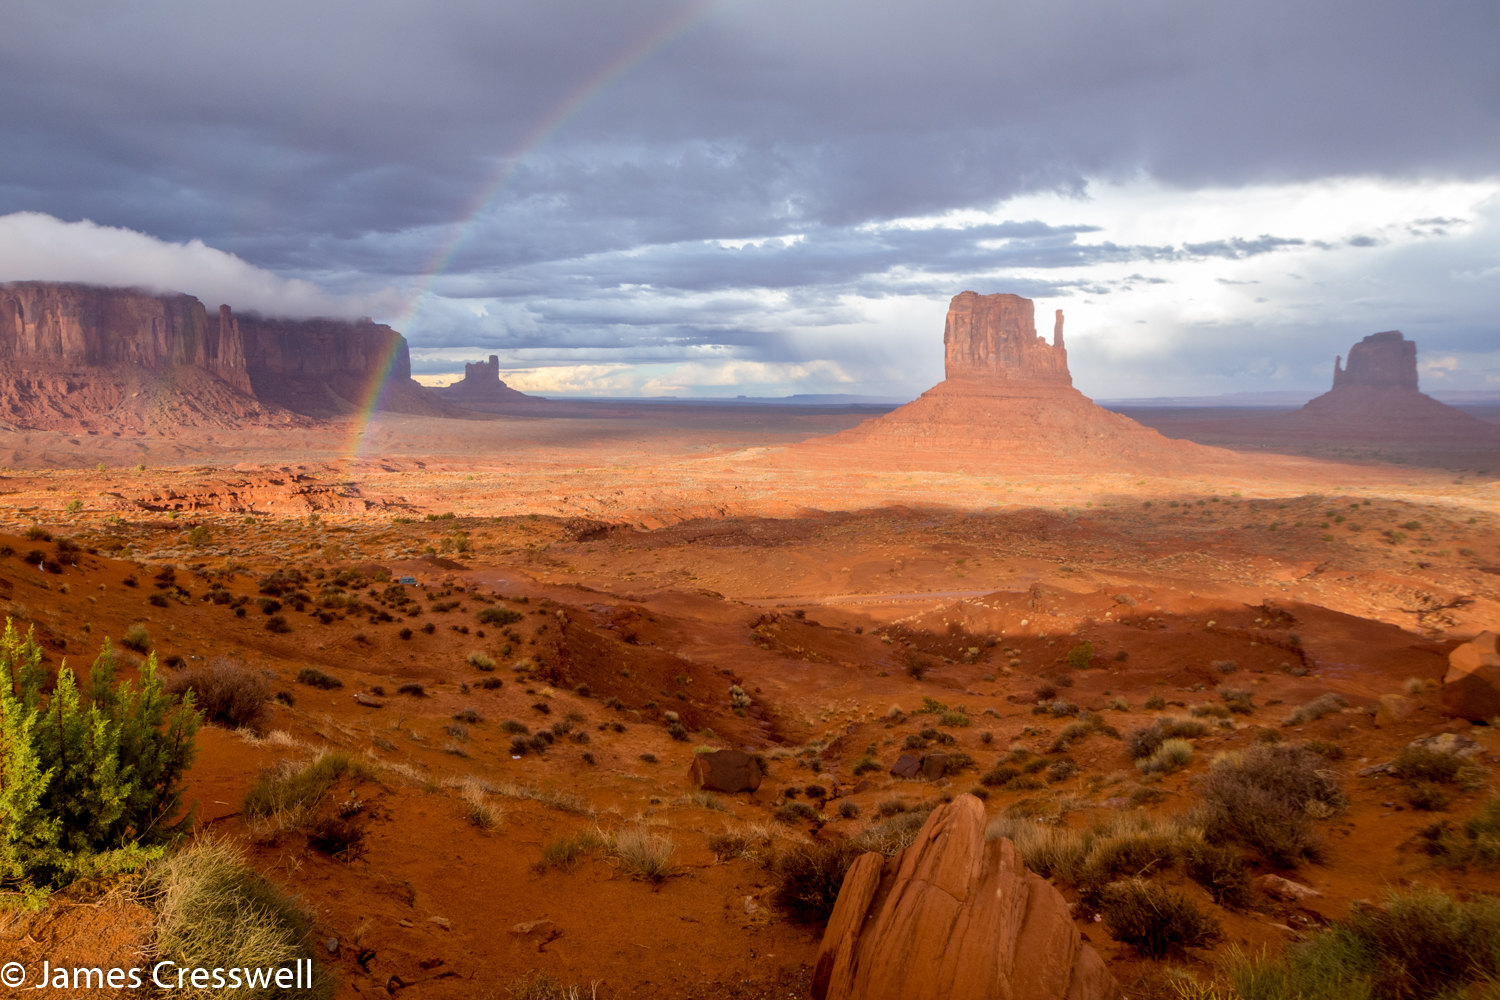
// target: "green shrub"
[[481, 660], [1154, 920], [213, 910], [957, 719], [1324, 704], [1476, 841], [1265, 798], [1143, 741], [1081, 655], [92, 785], [806, 880], [1422, 764]]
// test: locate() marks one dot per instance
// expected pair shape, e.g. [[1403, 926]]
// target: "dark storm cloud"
[[351, 143]]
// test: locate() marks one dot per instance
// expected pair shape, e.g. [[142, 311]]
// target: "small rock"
[[407, 923], [1283, 888], [332, 944], [934, 766], [542, 927], [1391, 709], [906, 766], [727, 771], [442, 922], [1471, 688]]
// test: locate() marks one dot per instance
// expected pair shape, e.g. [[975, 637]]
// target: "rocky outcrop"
[[1471, 688], [727, 771], [481, 386], [1380, 361], [79, 357], [954, 917], [1007, 401]]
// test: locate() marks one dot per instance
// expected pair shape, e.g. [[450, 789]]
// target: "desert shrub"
[[1324, 749], [490, 683], [214, 910], [1154, 920], [642, 853], [806, 880], [677, 731], [1143, 741], [1184, 729], [1422, 764], [277, 624], [512, 726], [313, 677], [1225, 666], [1155, 703], [1061, 770], [1209, 709], [1045, 692], [519, 745], [848, 810], [291, 789], [227, 694], [1170, 756], [730, 846], [795, 812], [412, 689], [1476, 841], [88, 791], [1086, 724], [1081, 655], [956, 718], [337, 837], [999, 775], [1220, 870], [1323, 704], [565, 852], [1266, 798], [481, 660], [136, 637], [1241, 701], [1418, 943], [499, 617], [1426, 795]]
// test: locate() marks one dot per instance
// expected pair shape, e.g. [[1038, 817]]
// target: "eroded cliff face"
[[994, 337], [77, 356]]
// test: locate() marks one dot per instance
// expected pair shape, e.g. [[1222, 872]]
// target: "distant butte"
[[1008, 399], [124, 360], [482, 386], [1375, 399]]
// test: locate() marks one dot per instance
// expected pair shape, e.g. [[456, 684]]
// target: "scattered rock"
[[935, 765], [1456, 744], [906, 766], [1391, 709], [1471, 688], [442, 922], [957, 917], [535, 927], [1275, 885], [726, 771], [332, 944]]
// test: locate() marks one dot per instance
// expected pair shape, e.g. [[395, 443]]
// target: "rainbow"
[[460, 233]]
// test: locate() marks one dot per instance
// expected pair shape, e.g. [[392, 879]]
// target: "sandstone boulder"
[[935, 765], [954, 917], [726, 771], [1391, 709], [1471, 688], [906, 766]]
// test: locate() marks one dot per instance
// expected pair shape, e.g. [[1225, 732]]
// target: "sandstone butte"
[[79, 357], [1375, 399], [1008, 397], [954, 917], [481, 388]]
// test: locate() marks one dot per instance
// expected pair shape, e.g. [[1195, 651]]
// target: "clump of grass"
[[1172, 755], [563, 853], [893, 832], [1266, 798], [481, 660], [214, 910], [1154, 920], [795, 812], [1155, 703], [1086, 724], [807, 879], [955, 717], [1312, 711], [477, 807], [313, 677], [1240, 701], [227, 694], [291, 790], [643, 853]]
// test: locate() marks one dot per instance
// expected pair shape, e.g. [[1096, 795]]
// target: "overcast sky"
[[771, 197]]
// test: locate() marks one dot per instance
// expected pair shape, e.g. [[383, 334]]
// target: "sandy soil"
[[664, 561]]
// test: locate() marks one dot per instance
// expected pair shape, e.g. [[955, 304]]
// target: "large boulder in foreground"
[[726, 771], [1471, 688], [954, 917]]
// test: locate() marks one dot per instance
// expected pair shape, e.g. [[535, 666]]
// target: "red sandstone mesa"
[[79, 357]]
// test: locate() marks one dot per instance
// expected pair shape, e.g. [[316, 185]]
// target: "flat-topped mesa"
[[990, 337], [1381, 360]]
